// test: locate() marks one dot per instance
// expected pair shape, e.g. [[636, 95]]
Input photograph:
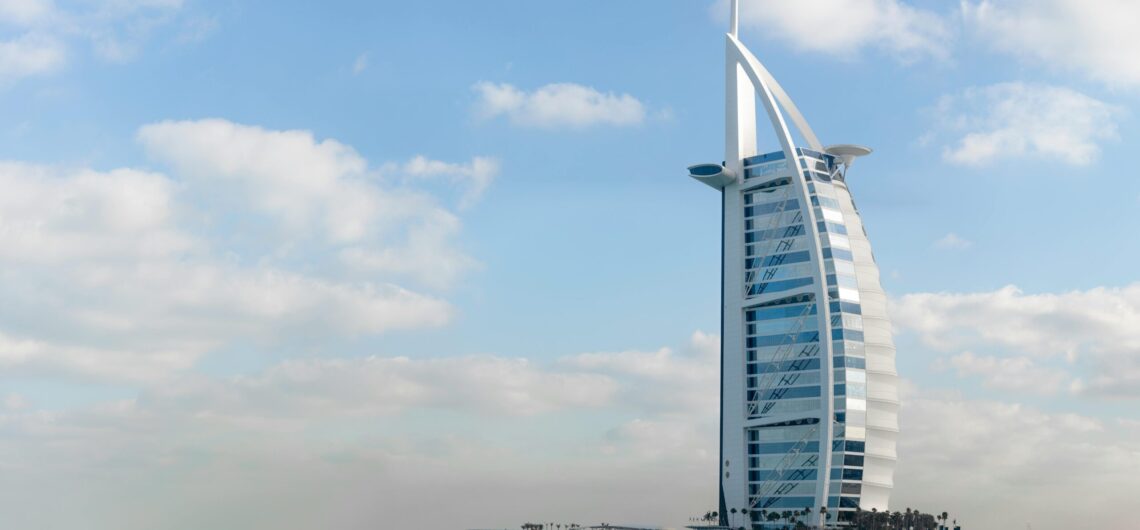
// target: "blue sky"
[[363, 252]]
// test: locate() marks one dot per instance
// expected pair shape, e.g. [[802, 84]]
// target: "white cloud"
[[51, 216], [352, 441], [303, 184], [1075, 35], [1115, 377], [15, 402], [1017, 120], [427, 252], [1017, 374], [46, 33], [117, 30], [129, 274], [29, 55], [674, 394], [1097, 331], [475, 176], [288, 175], [36, 356], [558, 105], [953, 241], [24, 12], [312, 436], [144, 320], [951, 449], [664, 440], [664, 379], [899, 29], [323, 389], [316, 431]]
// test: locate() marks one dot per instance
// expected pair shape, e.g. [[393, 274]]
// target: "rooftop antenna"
[[734, 21], [847, 153]]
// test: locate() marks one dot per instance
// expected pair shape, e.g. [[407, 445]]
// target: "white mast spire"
[[734, 21]]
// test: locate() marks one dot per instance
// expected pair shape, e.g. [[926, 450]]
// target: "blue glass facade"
[[784, 373]]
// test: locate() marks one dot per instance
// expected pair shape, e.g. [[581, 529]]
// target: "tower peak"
[[734, 19]]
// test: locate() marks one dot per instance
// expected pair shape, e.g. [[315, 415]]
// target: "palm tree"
[[744, 512], [822, 516], [732, 518]]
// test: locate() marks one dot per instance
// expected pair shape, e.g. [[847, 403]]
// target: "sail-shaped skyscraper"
[[809, 398]]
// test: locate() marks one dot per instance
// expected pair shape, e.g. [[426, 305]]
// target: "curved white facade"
[[808, 384]]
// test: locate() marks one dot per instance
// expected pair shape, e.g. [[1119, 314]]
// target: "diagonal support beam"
[[761, 77]]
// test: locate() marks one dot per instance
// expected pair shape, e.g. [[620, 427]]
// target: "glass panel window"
[[784, 311], [771, 207], [778, 259], [852, 321], [775, 340], [786, 232], [832, 215], [778, 286], [766, 157], [781, 448], [788, 366], [837, 253], [768, 503]]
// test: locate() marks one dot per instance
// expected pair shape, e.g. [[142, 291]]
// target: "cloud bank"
[[1091, 339], [259, 235], [1068, 35], [1010, 121]]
